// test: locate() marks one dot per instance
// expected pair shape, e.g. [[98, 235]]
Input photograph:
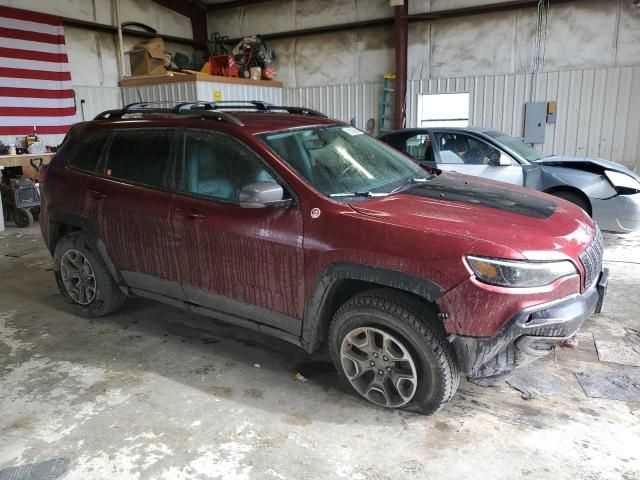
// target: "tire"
[[22, 217], [574, 198], [98, 294], [409, 329]]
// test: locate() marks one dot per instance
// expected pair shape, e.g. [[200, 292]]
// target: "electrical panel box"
[[535, 120]]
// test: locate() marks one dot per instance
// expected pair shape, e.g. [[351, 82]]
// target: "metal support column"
[[401, 40]]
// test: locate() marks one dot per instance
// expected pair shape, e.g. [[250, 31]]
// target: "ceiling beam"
[[101, 27], [416, 17], [212, 7]]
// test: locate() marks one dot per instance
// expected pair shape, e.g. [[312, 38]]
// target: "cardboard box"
[[147, 58]]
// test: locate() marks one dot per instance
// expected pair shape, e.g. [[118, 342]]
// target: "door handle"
[[189, 213], [97, 194]]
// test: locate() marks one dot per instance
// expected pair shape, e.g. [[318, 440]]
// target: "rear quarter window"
[[87, 152]]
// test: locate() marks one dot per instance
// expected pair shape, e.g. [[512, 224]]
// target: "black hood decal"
[[456, 189]]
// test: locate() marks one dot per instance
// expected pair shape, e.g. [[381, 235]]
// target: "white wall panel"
[[204, 91], [343, 102], [598, 109]]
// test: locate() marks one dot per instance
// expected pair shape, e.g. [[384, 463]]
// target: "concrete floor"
[[154, 392]]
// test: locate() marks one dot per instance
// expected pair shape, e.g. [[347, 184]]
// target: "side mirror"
[[261, 195], [503, 160]]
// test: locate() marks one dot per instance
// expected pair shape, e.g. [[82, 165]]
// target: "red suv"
[[282, 220]]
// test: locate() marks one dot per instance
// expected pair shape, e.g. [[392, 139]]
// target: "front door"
[[241, 262], [132, 203], [463, 153]]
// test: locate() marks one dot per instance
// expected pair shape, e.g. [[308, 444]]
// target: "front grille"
[[591, 259]]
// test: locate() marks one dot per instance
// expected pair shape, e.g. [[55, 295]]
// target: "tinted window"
[[218, 166], [456, 148], [141, 156], [87, 153]]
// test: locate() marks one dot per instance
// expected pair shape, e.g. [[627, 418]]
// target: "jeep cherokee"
[[282, 220]]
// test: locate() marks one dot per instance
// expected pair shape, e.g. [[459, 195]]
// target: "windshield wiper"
[[412, 181], [358, 194]]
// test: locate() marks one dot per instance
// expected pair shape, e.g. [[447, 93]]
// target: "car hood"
[[577, 162], [493, 218]]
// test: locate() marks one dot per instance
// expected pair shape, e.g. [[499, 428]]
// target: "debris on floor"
[[299, 377], [622, 350], [616, 385], [534, 381], [47, 470]]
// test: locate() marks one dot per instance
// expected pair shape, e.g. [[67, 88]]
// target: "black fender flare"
[[87, 226], [315, 313]]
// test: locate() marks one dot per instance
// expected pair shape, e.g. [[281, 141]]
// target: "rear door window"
[[141, 156]]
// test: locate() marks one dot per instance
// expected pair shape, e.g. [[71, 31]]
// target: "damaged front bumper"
[[530, 334]]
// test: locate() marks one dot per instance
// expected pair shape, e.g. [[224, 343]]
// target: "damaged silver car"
[[607, 191]]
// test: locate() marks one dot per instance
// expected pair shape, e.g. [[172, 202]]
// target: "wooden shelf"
[[194, 77]]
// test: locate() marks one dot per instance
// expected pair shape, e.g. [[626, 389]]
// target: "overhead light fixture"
[[636, 3]]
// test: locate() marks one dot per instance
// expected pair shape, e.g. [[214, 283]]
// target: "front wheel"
[[390, 349]]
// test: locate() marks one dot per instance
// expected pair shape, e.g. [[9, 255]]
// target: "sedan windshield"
[[342, 162], [529, 153]]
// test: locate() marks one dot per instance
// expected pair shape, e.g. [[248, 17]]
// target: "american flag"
[[35, 82]]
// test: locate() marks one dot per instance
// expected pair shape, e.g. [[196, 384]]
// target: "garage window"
[[443, 110]]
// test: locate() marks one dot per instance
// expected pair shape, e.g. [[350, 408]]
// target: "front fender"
[[316, 311]]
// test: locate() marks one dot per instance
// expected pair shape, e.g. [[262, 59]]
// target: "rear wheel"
[[22, 217], [83, 278], [391, 351], [574, 198]]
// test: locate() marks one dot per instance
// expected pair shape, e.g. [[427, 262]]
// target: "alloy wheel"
[[379, 366], [78, 277]]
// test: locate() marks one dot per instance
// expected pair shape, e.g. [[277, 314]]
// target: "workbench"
[[23, 161]]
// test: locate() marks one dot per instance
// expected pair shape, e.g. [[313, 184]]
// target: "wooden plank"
[[195, 77], [23, 161]]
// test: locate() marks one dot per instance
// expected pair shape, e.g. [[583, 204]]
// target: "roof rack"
[[265, 107], [205, 109], [193, 108]]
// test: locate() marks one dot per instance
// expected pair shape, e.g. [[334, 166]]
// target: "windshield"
[[529, 153], [339, 160]]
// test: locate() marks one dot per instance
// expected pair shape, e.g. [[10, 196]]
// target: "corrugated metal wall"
[[204, 91], [96, 100], [343, 102], [598, 109]]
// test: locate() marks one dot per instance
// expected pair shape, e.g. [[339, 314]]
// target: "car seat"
[[208, 175]]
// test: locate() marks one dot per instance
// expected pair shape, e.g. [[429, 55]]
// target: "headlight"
[[517, 273], [622, 181]]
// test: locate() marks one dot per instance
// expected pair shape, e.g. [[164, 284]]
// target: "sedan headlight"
[[518, 273], [622, 181]]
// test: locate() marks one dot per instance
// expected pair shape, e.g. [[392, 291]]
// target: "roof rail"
[[205, 109], [252, 105], [196, 108]]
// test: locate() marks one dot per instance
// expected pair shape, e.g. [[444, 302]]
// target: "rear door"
[[131, 201], [244, 262], [465, 153]]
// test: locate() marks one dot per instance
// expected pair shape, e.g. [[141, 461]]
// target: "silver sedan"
[[607, 191]]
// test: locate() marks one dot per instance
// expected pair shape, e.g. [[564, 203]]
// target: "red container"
[[223, 65]]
